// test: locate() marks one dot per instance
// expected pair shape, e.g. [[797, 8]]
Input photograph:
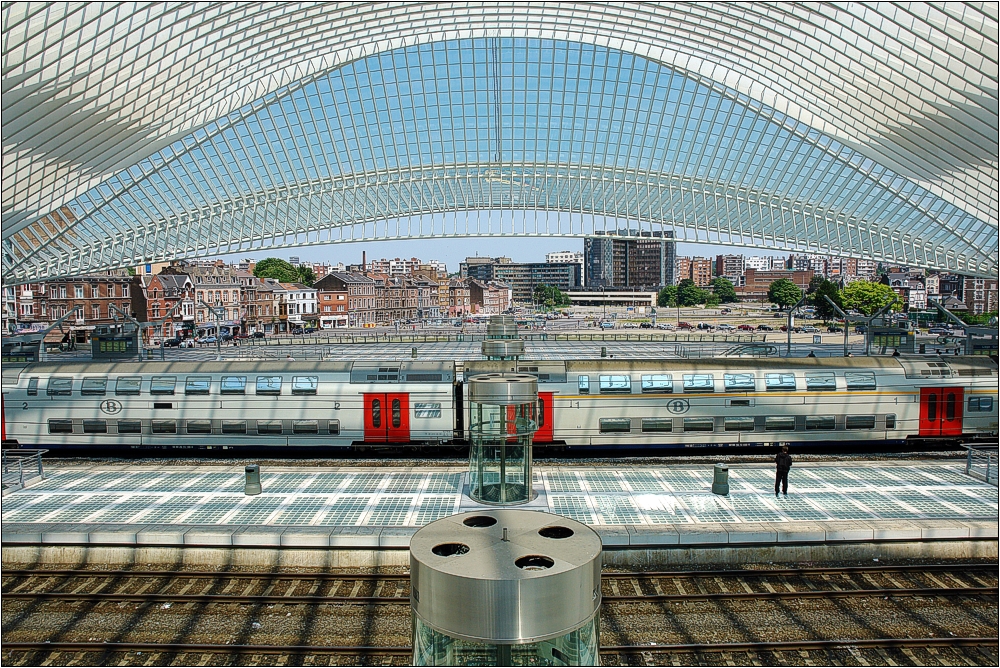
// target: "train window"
[[739, 424], [699, 424], [821, 381], [699, 382], [32, 387], [335, 427], [821, 423], [305, 427], [94, 387], [128, 386], [129, 427], [980, 404], [268, 426], [615, 384], [197, 384], [541, 413], [269, 385], [376, 413], [739, 382], [949, 406], [60, 426], [95, 426], [304, 384], [396, 413], [860, 380], [162, 385], [583, 384], [657, 425], [779, 382], [658, 384], [615, 425], [199, 426], [422, 410], [779, 424], [59, 387], [234, 426], [163, 426], [233, 385], [860, 422], [890, 421], [932, 407]]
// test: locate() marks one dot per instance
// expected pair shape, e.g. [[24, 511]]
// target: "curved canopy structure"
[[134, 133]]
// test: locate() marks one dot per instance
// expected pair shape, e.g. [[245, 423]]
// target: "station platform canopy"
[[144, 132]]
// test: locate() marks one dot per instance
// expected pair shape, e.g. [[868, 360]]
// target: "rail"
[[982, 462], [20, 467]]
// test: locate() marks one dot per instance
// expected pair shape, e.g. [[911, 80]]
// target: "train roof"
[[214, 366]]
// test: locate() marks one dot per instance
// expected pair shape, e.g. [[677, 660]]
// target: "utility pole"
[[218, 332]]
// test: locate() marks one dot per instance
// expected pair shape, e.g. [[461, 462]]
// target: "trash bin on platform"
[[720, 484], [252, 485]]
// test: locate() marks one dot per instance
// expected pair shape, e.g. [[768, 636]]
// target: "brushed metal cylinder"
[[503, 348], [501, 331], [527, 577], [503, 389]]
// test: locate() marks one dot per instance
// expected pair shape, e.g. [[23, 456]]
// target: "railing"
[[982, 463], [21, 466]]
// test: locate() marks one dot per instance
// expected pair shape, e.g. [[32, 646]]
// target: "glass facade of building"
[[136, 134]]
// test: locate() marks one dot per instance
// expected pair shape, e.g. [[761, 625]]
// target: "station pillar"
[[501, 327], [503, 349], [505, 587], [502, 423]]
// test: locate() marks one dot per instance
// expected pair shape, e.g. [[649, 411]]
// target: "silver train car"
[[606, 403]]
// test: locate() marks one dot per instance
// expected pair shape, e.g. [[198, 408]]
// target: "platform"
[[379, 508]]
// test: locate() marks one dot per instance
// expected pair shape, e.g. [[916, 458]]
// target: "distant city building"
[[698, 269], [731, 267], [481, 268], [563, 257], [524, 277], [629, 259], [757, 283], [758, 262], [980, 295]]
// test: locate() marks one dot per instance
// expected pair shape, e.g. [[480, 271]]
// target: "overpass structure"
[[145, 132]]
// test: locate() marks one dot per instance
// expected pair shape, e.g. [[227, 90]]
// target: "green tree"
[[868, 297], [550, 296], [823, 308], [276, 268], [667, 296], [305, 275], [712, 301], [784, 293], [814, 284], [723, 290], [689, 294]]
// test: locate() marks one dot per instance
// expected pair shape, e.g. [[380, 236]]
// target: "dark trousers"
[[781, 480]]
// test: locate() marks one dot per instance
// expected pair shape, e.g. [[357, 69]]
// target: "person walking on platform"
[[783, 462]]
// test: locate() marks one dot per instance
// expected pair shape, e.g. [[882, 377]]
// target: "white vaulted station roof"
[[151, 131]]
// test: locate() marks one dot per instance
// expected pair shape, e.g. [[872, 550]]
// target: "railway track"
[[374, 599]]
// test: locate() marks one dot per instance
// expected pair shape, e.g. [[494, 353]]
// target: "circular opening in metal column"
[[479, 521], [450, 549], [534, 562], [555, 532]]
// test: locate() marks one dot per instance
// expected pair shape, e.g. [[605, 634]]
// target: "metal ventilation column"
[[501, 327], [505, 588], [501, 425]]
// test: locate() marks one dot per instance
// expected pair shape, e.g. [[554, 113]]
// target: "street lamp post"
[[218, 331]]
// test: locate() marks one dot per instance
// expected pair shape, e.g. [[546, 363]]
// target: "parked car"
[[666, 327], [834, 328], [208, 339], [645, 325], [726, 311], [171, 343], [297, 330], [705, 325], [685, 325], [860, 329], [227, 337], [810, 329], [745, 328], [258, 335], [607, 324], [726, 327], [309, 330], [765, 328]]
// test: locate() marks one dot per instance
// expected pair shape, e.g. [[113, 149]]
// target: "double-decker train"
[[607, 403]]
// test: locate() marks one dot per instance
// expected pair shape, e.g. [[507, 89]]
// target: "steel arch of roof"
[[136, 133]]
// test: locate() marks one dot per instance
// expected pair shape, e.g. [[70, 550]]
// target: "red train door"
[[941, 411], [387, 417], [544, 432]]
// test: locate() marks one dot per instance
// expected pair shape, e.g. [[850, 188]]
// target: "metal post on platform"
[[968, 462]]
